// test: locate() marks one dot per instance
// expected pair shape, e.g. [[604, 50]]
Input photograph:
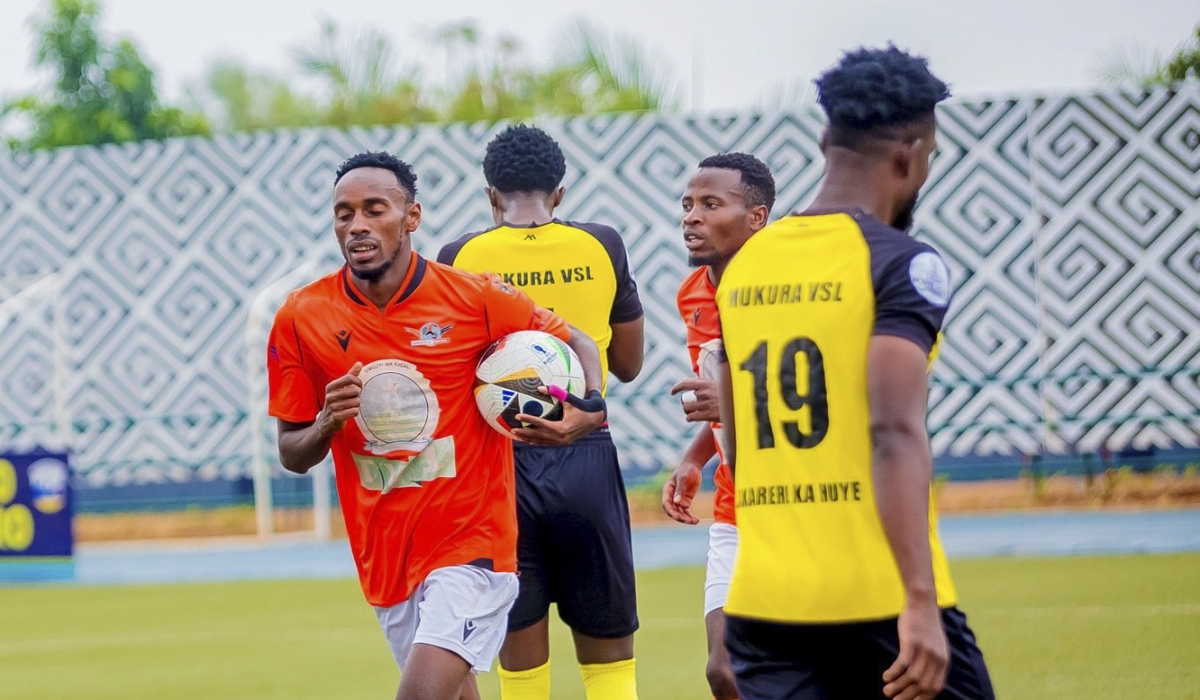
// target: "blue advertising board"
[[36, 541]]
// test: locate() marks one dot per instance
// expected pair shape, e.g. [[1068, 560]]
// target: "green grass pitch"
[[1100, 628]]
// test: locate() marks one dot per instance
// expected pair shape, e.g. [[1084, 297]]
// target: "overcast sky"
[[725, 54]]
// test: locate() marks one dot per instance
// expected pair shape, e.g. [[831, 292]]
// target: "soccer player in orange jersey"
[[727, 200], [372, 363]]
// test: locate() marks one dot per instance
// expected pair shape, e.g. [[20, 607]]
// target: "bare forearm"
[[303, 448], [624, 368], [727, 421], [902, 469], [701, 448], [627, 349], [589, 357], [684, 482]]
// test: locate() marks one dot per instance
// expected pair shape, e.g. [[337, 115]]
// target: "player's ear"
[[556, 197], [824, 141], [412, 217], [901, 157], [758, 216], [496, 202]]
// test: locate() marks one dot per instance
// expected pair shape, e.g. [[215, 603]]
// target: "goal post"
[[21, 296], [265, 463]]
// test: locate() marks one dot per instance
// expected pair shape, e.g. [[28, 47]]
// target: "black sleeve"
[[449, 251], [627, 306], [912, 285]]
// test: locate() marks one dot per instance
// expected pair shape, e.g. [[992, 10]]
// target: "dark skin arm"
[[725, 402], [627, 349], [902, 469], [302, 446], [575, 422], [681, 488]]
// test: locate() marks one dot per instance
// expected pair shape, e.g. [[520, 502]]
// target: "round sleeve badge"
[[930, 277]]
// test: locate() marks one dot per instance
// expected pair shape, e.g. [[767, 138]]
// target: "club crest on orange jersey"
[[430, 334]]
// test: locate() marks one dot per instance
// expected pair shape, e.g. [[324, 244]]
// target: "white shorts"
[[462, 609], [722, 548]]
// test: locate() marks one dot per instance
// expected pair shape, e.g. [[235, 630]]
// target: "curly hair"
[[403, 171], [524, 159], [874, 91], [758, 185]]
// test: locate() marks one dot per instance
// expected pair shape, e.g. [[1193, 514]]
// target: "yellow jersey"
[[799, 304], [580, 271]]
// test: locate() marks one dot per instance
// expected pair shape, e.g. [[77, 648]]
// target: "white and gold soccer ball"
[[512, 369]]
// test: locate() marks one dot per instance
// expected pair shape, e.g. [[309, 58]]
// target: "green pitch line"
[[1100, 628]]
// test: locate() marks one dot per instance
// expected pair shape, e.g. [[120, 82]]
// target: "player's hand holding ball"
[[527, 388], [580, 416], [341, 401]]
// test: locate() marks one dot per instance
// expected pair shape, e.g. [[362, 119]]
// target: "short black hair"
[[757, 181], [878, 92], [381, 159], [524, 159]]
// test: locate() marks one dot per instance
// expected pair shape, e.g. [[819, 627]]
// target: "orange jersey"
[[698, 308], [422, 480]]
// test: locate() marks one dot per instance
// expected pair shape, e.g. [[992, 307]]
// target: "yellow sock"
[[533, 684], [615, 681]]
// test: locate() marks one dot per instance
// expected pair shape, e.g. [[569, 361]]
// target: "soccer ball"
[[512, 369]]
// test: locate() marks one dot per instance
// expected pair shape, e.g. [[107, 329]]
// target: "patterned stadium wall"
[[1071, 223]]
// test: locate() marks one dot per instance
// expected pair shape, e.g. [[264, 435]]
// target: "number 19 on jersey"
[[800, 357]]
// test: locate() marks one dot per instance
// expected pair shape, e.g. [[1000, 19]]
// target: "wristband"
[[593, 402]]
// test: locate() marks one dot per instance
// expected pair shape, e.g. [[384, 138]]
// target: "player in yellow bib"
[[574, 547], [840, 588]]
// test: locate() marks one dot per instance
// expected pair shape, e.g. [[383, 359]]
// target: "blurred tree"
[[237, 99], [363, 85], [487, 79], [617, 74], [1185, 64], [103, 93], [360, 81], [1148, 71]]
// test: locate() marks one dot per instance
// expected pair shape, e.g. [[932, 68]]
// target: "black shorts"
[[574, 545], [843, 661]]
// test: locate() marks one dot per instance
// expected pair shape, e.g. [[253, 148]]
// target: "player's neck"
[[526, 210], [850, 201], [380, 292], [849, 188], [715, 271]]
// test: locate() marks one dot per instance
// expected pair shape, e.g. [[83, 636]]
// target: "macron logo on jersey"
[[468, 629]]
